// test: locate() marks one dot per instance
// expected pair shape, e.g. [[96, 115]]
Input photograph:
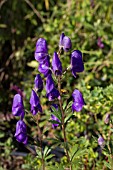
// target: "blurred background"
[[89, 24]]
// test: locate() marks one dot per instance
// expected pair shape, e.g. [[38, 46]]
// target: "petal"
[[18, 111], [49, 84], [77, 107], [38, 82], [41, 46], [53, 94], [25, 141], [34, 99], [61, 39], [20, 127], [77, 97], [40, 57], [73, 72], [17, 101], [21, 137], [56, 64], [44, 67]]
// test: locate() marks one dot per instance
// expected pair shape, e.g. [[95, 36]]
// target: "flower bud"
[[65, 42]]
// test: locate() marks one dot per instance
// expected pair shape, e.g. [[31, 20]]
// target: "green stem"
[[63, 124], [40, 139]]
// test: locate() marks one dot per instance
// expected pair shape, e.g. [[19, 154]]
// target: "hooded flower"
[[44, 67], [18, 107], [65, 42], [21, 132], [76, 62], [41, 51], [38, 83], [51, 91], [35, 103], [101, 141], [78, 101], [56, 65]]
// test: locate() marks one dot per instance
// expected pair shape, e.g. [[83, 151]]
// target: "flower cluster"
[[48, 70], [18, 110]]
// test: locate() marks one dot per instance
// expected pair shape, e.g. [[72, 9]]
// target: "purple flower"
[[18, 107], [44, 67], [101, 141], [107, 118], [51, 91], [65, 42], [35, 103], [38, 83], [78, 101], [99, 43], [54, 125], [76, 62], [41, 51], [56, 65], [21, 132]]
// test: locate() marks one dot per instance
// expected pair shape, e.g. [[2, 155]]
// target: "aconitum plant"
[[50, 69]]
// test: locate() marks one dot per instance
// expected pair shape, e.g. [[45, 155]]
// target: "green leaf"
[[57, 113], [74, 149], [46, 151], [80, 152], [54, 122], [69, 105], [107, 164], [49, 157], [68, 117], [64, 104]]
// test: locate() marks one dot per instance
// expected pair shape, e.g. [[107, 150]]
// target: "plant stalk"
[[40, 139], [63, 124]]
